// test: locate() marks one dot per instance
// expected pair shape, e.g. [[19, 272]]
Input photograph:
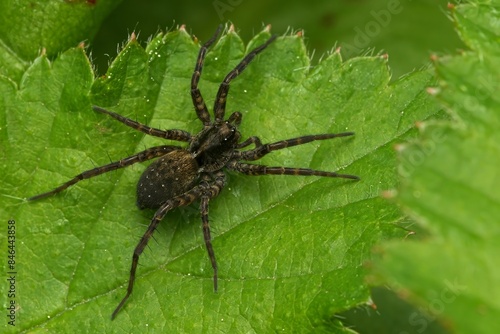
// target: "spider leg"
[[212, 191], [173, 134], [173, 203], [198, 102], [252, 140], [250, 169], [220, 99], [206, 191], [261, 150], [148, 154]]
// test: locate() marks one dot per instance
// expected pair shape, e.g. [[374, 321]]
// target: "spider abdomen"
[[171, 175]]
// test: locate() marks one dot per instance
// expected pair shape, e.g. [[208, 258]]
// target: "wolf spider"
[[183, 175]]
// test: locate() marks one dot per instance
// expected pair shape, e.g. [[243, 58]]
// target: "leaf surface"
[[290, 249], [449, 184]]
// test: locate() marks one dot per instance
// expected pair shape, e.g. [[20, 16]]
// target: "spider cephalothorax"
[[181, 176], [179, 170]]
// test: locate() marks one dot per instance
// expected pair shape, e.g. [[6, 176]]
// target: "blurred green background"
[[408, 31]]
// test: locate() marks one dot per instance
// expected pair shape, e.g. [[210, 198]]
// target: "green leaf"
[[48, 27], [290, 249], [449, 184], [55, 25]]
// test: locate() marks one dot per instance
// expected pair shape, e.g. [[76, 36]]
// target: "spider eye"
[[230, 134]]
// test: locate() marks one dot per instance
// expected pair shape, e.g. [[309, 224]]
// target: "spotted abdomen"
[[171, 175]]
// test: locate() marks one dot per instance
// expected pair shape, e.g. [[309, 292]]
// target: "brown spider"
[[182, 175]]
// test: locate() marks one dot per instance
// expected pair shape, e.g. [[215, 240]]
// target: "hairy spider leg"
[[221, 97], [213, 191], [254, 170], [198, 102], [173, 134], [261, 150], [145, 155], [251, 140], [206, 190]]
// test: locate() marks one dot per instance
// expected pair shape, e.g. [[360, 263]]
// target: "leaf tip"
[[182, 28], [420, 125], [434, 58], [371, 304], [410, 233], [132, 37], [300, 33], [267, 28], [389, 194], [400, 147], [432, 91], [450, 6], [231, 29]]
